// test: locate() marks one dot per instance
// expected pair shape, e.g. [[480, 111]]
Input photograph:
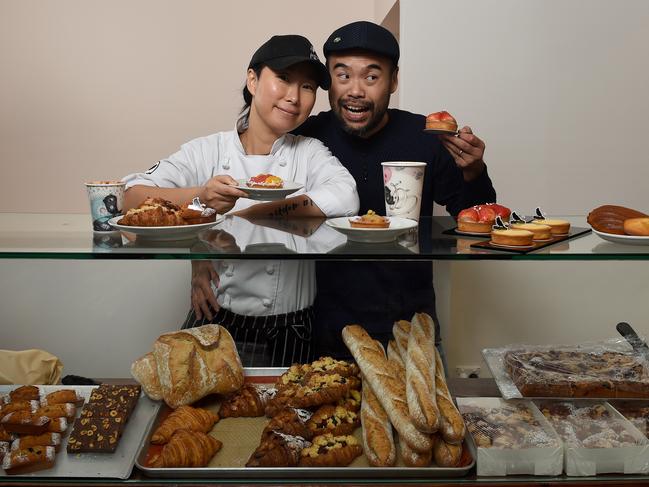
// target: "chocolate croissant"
[[330, 451], [278, 450], [187, 449], [290, 421], [333, 419], [248, 402], [185, 417]]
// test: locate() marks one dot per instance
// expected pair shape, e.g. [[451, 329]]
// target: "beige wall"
[[542, 82], [98, 89]]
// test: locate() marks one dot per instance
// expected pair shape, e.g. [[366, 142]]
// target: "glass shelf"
[[59, 236]]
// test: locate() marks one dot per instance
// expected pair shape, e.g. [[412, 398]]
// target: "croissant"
[[187, 449], [185, 417], [278, 450], [290, 421], [249, 402]]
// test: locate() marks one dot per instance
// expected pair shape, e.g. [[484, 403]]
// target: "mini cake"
[[369, 220], [267, 181], [557, 227], [480, 218], [511, 238], [441, 121], [541, 232]]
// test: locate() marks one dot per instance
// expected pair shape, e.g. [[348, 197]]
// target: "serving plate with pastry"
[[316, 420], [620, 225], [267, 187], [371, 227], [157, 219]]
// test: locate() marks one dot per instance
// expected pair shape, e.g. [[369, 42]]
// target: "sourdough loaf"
[[190, 364]]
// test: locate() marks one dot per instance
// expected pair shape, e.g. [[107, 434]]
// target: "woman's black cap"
[[280, 52], [366, 36]]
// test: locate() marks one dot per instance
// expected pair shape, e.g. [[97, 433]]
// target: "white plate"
[[623, 239], [440, 132], [269, 194], [397, 227], [180, 232]]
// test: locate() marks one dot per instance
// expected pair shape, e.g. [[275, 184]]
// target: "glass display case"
[[64, 237]]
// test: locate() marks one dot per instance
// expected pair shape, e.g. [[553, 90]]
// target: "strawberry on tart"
[[267, 181]]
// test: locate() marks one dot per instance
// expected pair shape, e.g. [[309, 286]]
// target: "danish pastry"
[[441, 120], [333, 419], [330, 451], [369, 220]]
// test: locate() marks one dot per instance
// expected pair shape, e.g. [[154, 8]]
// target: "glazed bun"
[[637, 226], [441, 121]]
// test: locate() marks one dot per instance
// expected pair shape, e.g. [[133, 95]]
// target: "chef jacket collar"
[[273, 150]]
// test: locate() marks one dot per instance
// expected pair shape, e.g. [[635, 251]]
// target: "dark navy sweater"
[[376, 294]]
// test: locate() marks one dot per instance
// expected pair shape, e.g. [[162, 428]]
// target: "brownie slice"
[[116, 396], [95, 435]]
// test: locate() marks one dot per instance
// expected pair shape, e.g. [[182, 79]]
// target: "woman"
[[265, 305]]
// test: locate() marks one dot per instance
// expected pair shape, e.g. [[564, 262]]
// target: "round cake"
[[369, 220], [441, 121], [267, 181], [541, 232], [557, 227], [512, 238]]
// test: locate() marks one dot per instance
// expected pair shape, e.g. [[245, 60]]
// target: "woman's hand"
[[219, 193], [467, 150], [202, 296]]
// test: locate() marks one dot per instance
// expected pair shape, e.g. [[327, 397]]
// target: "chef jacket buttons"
[[270, 269], [267, 302], [282, 163], [226, 164], [230, 271]]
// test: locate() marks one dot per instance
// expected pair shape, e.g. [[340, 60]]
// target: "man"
[[362, 132]]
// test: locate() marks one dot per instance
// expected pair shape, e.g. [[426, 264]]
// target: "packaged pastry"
[[597, 438], [512, 437], [606, 370], [637, 412]]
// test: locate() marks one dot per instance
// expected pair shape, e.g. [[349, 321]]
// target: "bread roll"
[[388, 388], [637, 226], [378, 440], [420, 374], [451, 426]]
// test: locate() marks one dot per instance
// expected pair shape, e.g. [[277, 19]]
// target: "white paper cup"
[[403, 182], [106, 201]]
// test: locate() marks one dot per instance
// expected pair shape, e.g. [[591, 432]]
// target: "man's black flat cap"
[[363, 35], [281, 52]]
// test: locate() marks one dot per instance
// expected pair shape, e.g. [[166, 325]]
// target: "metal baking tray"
[[108, 465], [239, 445]]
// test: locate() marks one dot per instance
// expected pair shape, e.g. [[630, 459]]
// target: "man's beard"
[[374, 121]]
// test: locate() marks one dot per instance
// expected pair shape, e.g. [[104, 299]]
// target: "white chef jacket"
[[253, 287]]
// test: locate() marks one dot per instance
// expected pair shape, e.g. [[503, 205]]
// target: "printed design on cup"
[[106, 202], [398, 197]]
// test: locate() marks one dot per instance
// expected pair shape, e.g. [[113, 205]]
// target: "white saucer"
[[623, 239], [397, 227], [268, 194]]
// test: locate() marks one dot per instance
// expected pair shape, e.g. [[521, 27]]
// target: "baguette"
[[412, 458], [446, 455], [394, 355], [420, 374], [451, 426], [378, 440], [401, 332], [385, 384]]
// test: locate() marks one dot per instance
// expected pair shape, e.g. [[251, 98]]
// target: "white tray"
[[109, 465]]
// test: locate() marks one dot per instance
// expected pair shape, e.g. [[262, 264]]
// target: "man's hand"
[[202, 296], [219, 193], [467, 150]]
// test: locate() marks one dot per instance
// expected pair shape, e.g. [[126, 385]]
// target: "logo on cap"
[[313, 55], [337, 39]]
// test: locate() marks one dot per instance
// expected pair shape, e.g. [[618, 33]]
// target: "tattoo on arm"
[[288, 208]]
